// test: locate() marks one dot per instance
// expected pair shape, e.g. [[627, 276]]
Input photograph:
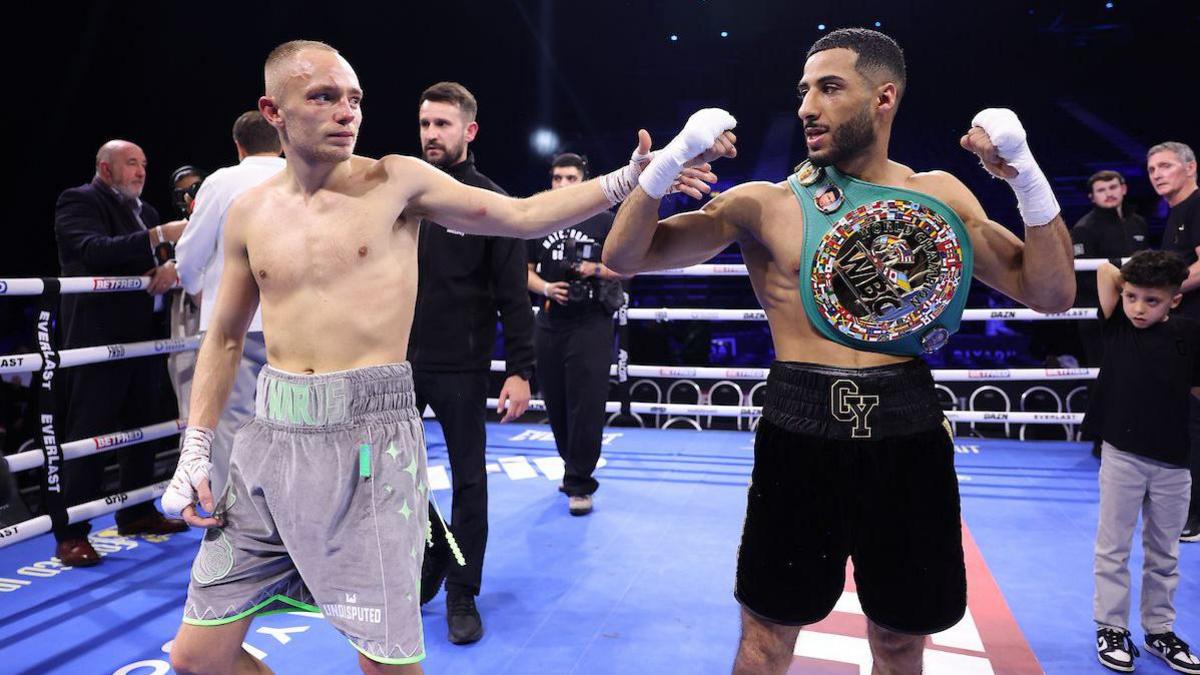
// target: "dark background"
[[1095, 87]]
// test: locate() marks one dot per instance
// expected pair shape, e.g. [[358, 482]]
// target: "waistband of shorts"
[[341, 399], [852, 403]]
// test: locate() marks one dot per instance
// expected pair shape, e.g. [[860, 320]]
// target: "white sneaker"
[[1168, 647], [1114, 649], [579, 505]]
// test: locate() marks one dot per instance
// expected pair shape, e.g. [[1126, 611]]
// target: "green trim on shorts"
[[295, 604], [391, 662]]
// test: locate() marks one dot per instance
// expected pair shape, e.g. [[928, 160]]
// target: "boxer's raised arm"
[[1038, 272], [640, 242]]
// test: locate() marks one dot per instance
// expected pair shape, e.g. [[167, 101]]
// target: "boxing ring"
[[656, 398]]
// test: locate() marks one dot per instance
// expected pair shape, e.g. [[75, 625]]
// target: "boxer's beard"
[[850, 139], [450, 155]]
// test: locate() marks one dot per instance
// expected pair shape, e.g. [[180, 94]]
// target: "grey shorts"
[[326, 510]]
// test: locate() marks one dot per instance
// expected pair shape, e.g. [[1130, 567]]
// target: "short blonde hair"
[[283, 54]]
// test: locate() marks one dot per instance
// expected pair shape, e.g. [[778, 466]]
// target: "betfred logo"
[[115, 283], [122, 438], [1001, 374]]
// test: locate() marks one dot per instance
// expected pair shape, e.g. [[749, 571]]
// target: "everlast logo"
[[53, 458], [306, 405], [43, 335], [11, 361], [849, 406]]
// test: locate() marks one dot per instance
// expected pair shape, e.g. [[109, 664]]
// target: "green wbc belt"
[[884, 269]]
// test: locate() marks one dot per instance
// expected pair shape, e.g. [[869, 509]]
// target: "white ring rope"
[[941, 375], [72, 285], [739, 270], [86, 511], [28, 363], [32, 459], [686, 409], [76, 285], [701, 314]]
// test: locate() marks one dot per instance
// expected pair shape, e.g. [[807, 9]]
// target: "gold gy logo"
[[849, 406]]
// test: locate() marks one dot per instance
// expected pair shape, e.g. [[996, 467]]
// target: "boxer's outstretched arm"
[[436, 196], [236, 301]]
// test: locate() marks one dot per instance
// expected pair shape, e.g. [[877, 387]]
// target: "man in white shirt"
[[200, 257]]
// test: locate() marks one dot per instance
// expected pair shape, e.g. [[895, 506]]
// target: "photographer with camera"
[[574, 337]]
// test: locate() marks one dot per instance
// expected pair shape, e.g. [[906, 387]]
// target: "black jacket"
[[465, 281], [98, 235], [1103, 233]]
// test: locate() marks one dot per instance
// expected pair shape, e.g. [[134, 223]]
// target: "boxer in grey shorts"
[[325, 511]]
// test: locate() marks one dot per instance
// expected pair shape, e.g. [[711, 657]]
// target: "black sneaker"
[[1191, 530], [1169, 648], [1114, 649], [461, 616]]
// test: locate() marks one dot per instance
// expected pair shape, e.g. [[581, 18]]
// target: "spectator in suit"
[[104, 229]]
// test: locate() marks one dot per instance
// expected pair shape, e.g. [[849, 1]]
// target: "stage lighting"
[[544, 141]]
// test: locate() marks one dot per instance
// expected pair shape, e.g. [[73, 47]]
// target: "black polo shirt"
[[1140, 402]]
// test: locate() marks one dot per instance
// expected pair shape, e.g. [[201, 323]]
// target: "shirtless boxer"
[[861, 264], [325, 507]]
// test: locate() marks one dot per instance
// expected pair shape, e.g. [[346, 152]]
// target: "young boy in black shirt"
[[1151, 368]]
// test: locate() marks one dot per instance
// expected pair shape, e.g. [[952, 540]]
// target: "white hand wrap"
[[703, 129], [1035, 199], [618, 184], [192, 468]]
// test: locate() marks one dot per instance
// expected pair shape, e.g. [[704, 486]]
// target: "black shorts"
[[858, 463]]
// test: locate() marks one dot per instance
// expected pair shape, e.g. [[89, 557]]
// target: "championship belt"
[[886, 269]]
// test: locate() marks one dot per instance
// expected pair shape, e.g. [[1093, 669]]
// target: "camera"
[[580, 289]]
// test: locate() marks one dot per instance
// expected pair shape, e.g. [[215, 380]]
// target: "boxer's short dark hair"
[[255, 134], [455, 94], [876, 53]]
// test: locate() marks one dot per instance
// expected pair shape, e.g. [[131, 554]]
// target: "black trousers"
[[573, 360], [459, 401], [103, 398]]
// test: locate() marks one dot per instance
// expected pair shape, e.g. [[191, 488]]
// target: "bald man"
[[104, 229], [325, 506]]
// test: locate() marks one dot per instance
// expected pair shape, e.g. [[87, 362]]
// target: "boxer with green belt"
[[862, 264]]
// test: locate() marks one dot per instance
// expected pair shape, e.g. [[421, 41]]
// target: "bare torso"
[[336, 272], [771, 243]]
